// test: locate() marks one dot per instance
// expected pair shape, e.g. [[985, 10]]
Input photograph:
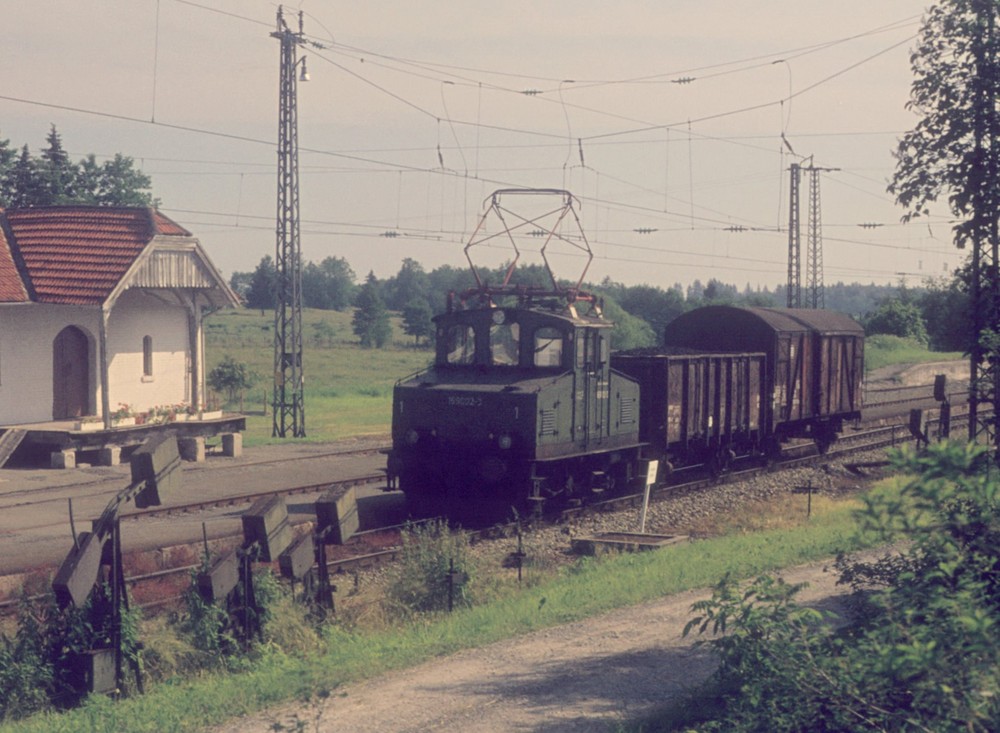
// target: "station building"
[[101, 313]]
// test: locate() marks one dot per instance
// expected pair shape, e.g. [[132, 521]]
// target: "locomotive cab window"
[[591, 350], [504, 343], [461, 344], [548, 345]]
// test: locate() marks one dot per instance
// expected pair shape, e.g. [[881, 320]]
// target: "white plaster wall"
[[26, 335], [28, 330], [135, 315]]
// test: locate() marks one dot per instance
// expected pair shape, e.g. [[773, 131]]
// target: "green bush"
[[430, 552], [26, 671], [919, 653], [219, 635], [231, 377]]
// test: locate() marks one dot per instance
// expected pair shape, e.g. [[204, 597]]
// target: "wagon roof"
[[794, 319], [779, 320]]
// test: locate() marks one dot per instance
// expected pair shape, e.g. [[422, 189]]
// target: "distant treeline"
[[934, 313]]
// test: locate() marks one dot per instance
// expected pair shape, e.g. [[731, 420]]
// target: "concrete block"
[[232, 444], [63, 459], [110, 455], [192, 449]]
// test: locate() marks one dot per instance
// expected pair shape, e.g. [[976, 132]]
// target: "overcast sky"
[[662, 115]]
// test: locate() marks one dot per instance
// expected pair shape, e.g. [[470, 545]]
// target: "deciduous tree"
[[371, 319]]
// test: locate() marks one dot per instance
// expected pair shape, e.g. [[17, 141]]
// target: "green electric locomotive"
[[520, 407]]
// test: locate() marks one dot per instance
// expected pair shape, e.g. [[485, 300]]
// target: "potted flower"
[[123, 416]]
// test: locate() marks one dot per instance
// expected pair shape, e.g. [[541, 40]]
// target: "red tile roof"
[[77, 254], [12, 288]]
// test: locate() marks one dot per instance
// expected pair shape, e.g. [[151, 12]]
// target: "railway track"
[[376, 546], [363, 553]]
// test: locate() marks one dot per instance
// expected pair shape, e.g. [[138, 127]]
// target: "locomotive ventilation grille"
[[626, 412], [548, 426]]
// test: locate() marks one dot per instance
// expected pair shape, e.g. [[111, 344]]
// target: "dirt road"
[[586, 676]]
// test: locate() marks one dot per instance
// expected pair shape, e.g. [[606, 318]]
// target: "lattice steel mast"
[[815, 291], [288, 401], [794, 287]]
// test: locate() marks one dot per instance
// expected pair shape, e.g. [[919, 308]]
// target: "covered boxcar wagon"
[[815, 363]]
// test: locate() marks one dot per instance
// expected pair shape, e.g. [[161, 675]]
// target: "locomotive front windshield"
[[505, 343], [503, 339], [548, 347], [461, 344]]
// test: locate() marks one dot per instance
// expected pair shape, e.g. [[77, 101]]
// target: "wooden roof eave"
[[175, 263]]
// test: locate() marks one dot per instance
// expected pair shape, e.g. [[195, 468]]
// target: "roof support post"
[[102, 367], [196, 347]]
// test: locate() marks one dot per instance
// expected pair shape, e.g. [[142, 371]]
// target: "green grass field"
[[348, 389], [882, 350]]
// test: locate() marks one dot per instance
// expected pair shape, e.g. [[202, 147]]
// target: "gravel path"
[[591, 675]]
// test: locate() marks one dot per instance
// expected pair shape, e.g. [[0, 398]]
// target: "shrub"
[[430, 552], [26, 671], [232, 377], [922, 654]]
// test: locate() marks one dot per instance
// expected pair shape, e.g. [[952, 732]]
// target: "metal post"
[[288, 406], [815, 296], [451, 585], [794, 285], [324, 594], [652, 467]]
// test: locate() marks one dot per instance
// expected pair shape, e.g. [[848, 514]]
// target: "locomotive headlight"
[[412, 436], [504, 441]]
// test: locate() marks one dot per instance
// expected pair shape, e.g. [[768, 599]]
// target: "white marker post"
[[651, 469]]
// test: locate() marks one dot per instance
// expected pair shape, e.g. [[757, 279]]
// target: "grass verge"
[[587, 588], [882, 350]]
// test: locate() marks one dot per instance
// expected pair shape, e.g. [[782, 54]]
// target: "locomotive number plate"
[[464, 401]]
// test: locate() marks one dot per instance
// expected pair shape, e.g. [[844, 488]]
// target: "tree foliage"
[[630, 332], [945, 309], [329, 285], [954, 147], [410, 283], [231, 377], [896, 317], [371, 319], [262, 284], [52, 179], [417, 320], [919, 652]]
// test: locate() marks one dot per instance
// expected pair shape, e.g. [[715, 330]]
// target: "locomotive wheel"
[[422, 489]]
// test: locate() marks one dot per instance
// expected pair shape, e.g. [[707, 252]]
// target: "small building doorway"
[[70, 374]]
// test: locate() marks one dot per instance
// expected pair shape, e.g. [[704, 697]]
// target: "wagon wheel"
[[825, 437], [721, 461]]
